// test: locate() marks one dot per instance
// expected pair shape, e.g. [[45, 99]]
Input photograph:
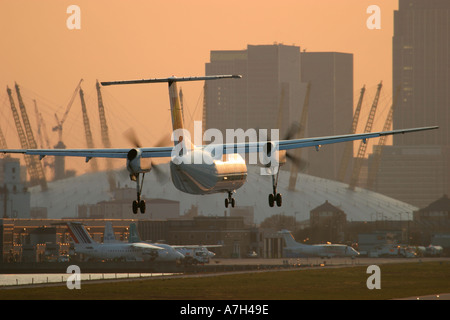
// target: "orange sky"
[[135, 39]]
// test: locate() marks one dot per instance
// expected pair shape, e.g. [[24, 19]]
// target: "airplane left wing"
[[156, 152]]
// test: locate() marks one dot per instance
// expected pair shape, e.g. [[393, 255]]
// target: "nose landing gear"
[[230, 200]]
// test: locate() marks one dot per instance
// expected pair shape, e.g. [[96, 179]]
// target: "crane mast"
[[363, 144], [105, 137], [381, 143], [347, 155], [32, 162], [87, 130]]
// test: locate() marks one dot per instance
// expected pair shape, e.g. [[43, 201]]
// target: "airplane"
[[166, 252], [196, 253], [224, 169], [296, 249], [191, 253], [84, 244]]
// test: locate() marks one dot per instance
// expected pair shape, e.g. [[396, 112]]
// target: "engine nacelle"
[[271, 156], [134, 162]]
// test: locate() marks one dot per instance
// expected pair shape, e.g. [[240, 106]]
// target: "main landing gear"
[[275, 196], [230, 200], [138, 204]]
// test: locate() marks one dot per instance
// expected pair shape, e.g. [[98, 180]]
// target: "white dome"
[[63, 196]]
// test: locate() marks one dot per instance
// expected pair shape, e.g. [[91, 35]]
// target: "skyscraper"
[[271, 94], [421, 65], [330, 106], [416, 168]]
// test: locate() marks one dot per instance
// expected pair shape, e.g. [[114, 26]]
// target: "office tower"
[[330, 106], [421, 65], [416, 168], [270, 79], [277, 75]]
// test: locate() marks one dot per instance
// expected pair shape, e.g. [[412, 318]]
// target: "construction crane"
[[32, 162], [363, 145], [2, 140], [59, 123], [31, 141], [60, 163], [348, 150], [87, 130], [300, 134], [43, 136], [105, 137], [382, 142]]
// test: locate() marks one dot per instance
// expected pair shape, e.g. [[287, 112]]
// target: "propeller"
[[293, 130], [131, 136]]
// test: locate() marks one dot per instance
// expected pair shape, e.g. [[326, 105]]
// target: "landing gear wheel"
[[271, 200], [142, 206], [275, 196], [135, 206], [230, 200], [279, 199]]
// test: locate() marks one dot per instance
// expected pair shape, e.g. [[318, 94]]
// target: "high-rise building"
[[270, 79], [416, 168], [421, 65], [271, 94], [330, 106]]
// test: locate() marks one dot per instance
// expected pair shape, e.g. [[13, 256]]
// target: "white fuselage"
[[321, 250], [115, 251], [126, 251], [197, 173]]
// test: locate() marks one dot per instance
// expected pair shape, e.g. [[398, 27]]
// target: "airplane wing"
[[314, 142], [156, 152], [195, 246], [245, 147], [141, 245]]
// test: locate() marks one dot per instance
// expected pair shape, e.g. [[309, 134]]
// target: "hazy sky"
[[136, 39]]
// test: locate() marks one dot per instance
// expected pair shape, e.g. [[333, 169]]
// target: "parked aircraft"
[[222, 168], [84, 244], [296, 249], [166, 252], [191, 253]]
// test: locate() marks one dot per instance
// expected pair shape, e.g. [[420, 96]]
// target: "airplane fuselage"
[[198, 173], [321, 250], [115, 251]]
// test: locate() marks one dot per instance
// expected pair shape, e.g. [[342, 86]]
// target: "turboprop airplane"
[[296, 249], [84, 244], [221, 169]]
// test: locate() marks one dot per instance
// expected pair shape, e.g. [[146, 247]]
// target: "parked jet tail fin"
[[289, 238], [134, 235], [79, 233], [108, 235]]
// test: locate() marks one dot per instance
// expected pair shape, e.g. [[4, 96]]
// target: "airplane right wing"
[[249, 147]]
